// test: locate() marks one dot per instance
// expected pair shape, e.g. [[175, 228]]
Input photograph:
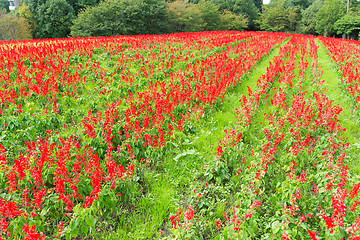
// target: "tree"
[[299, 4], [231, 21], [240, 7], [355, 6], [4, 4], [155, 16], [122, 17], [352, 6], [209, 13], [309, 18], [184, 17], [24, 11], [205, 16], [258, 4], [328, 14], [13, 27], [79, 5], [55, 18], [277, 18], [34, 6], [348, 25]]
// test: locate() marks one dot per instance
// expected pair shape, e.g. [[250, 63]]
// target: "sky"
[[266, 1]]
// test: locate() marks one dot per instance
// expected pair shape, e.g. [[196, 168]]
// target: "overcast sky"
[[266, 1]]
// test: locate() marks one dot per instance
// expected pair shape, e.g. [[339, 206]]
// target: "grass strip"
[[347, 117]]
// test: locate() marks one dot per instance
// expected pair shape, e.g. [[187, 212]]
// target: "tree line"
[[84, 18], [330, 18]]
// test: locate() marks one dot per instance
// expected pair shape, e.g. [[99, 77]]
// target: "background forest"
[[83, 18]]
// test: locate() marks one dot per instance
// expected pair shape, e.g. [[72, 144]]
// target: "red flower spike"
[[312, 235]]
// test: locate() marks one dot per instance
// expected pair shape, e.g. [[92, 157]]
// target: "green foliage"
[[240, 7], [329, 13], [34, 6], [355, 6], [278, 18], [155, 17], [258, 3], [121, 17], [97, 21], [348, 25], [209, 13], [79, 5], [205, 16], [55, 18], [184, 17], [33, 12], [4, 4], [231, 21], [13, 27], [300, 4], [24, 11], [309, 18]]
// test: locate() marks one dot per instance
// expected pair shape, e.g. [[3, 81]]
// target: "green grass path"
[[225, 118], [200, 149], [347, 117]]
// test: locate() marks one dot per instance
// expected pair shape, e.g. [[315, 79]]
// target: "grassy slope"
[[347, 118], [172, 184]]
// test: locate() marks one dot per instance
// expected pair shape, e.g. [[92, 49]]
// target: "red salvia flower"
[[312, 235]]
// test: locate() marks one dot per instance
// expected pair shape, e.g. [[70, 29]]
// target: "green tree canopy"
[[354, 5], [204, 16], [231, 21], [79, 5], [13, 27], [300, 4], [4, 4], [55, 18], [328, 14], [348, 25], [240, 7], [278, 18], [34, 6], [24, 11], [184, 17], [258, 3], [210, 15], [309, 18], [122, 17]]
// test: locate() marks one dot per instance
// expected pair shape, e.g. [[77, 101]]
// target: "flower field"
[[212, 135]]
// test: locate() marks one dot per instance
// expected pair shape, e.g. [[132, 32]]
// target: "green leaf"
[[250, 231], [75, 232], [276, 226], [73, 225], [84, 229], [90, 220], [343, 233]]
